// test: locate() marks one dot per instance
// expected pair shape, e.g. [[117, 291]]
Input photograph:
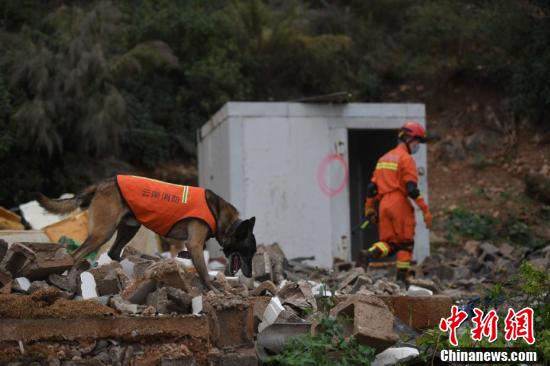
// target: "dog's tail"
[[65, 205]]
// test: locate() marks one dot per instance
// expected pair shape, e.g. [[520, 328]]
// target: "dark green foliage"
[[330, 347], [530, 287], [460, 224], [133, 80]]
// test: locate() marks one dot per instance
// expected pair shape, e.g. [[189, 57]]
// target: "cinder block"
[[232, 326], [368, 319], [419, 312]]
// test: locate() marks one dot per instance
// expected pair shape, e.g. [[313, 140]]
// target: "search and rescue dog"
[[190, 214]]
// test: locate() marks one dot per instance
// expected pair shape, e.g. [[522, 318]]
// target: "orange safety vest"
[[159, 205]]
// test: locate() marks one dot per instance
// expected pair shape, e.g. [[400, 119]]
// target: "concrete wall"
[[264, 158]]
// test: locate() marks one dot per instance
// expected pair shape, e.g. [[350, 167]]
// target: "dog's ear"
[[242, 230], [252, 221], [245, 228]]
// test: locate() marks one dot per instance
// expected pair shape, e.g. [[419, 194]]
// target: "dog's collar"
[[230, 230]]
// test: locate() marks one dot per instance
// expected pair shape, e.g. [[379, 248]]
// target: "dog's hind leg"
[[104, 215], [124, 234]]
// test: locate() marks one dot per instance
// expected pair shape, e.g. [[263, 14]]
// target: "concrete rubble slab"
[[70, 282], [395, 355], [17, 256], [419, 312], [123, 328], [368, 319], [265, 287], [48, 258]]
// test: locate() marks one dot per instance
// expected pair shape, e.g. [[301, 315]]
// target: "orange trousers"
[[396, 218], [396, 228]]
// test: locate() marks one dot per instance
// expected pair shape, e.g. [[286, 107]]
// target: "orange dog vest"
[[159, 205]]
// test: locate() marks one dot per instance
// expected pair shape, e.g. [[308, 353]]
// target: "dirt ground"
[[46, 303]]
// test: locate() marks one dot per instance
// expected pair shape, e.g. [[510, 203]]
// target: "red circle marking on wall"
[[321, 174]]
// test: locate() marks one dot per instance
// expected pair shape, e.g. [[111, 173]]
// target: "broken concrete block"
[[18, 255], [263, 288], [50, 258], [107, 279], [414, 290], [271, 313], [395, 355], [88, 286], [261, 266], [298, 295], [128, 267], [168, 299], [169, 273], [362, 281], [71, 280], [341, 265], [138, 291], [350, 277], [121, 305], [22, 284], [419, 312], [196, 304], [368, 319], [426, 283]]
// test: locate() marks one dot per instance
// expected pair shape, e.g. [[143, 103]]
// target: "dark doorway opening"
[[365, 148]]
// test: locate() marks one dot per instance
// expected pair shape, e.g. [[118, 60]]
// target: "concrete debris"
[[88, 285], [18, 254], [271, 313], [196, 304], [418, 291], [22, 284], [167, 300], [268, 263], [108, 278], [299, 295], [71, 281], [367, 318], [419, 312], [395, 355], [265, 288], [137, 291]]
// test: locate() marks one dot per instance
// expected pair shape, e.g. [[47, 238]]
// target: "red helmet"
[[413, 129]]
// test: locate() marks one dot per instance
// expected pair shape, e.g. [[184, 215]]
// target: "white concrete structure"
[[267, 160]]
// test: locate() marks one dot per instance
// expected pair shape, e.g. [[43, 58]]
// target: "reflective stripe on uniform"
[[383, 247], [400, 264], [185, 194], [386, 165]]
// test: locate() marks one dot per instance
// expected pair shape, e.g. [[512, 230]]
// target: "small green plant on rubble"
[[330, 347], [531, 287]]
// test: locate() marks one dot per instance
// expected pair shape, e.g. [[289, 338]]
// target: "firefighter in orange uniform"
[[395, 181]]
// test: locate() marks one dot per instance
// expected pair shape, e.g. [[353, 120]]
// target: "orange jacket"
[[159, 205], [394, 170]]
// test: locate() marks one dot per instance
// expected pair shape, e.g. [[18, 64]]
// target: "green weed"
[[330, 347]]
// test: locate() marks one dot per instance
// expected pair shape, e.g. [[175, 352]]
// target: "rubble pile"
[[460, 271], [148, 306]]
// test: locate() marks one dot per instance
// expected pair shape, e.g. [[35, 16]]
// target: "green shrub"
[[330, 347]]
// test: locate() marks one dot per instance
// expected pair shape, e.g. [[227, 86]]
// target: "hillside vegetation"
[[88, 85]]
